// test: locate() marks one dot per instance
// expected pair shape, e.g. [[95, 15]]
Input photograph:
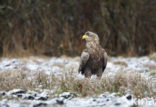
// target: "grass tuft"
[[121, 83]]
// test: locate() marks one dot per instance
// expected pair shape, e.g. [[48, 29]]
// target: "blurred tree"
[[54, 27]]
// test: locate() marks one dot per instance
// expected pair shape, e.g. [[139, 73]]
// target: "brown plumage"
[[94, 57]]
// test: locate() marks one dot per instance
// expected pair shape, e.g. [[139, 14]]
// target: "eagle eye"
[[87, 33]]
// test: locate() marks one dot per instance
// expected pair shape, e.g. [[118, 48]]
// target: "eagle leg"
[[88, 72], [99, 73]]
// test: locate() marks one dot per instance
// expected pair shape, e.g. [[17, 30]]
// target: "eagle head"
[[91, 37]]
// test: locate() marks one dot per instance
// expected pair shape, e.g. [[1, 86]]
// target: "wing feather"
[[83, 60], [105, 59]]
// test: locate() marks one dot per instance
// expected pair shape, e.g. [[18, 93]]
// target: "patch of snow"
[[32, 66], [60, 66]]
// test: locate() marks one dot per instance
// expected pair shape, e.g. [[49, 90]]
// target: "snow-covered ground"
[[145, 66]]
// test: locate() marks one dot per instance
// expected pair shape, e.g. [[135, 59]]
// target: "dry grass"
[[153, 56], [121, 63], [122, 82]]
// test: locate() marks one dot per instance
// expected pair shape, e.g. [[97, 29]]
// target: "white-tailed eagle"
[[94, 58]]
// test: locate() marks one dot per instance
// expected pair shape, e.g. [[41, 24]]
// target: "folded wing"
[[105, 59], [83, 61]]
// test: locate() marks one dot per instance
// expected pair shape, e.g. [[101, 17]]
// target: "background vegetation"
[[54, 27]]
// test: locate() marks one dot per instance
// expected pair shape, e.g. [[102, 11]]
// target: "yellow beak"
[[84, 36]]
